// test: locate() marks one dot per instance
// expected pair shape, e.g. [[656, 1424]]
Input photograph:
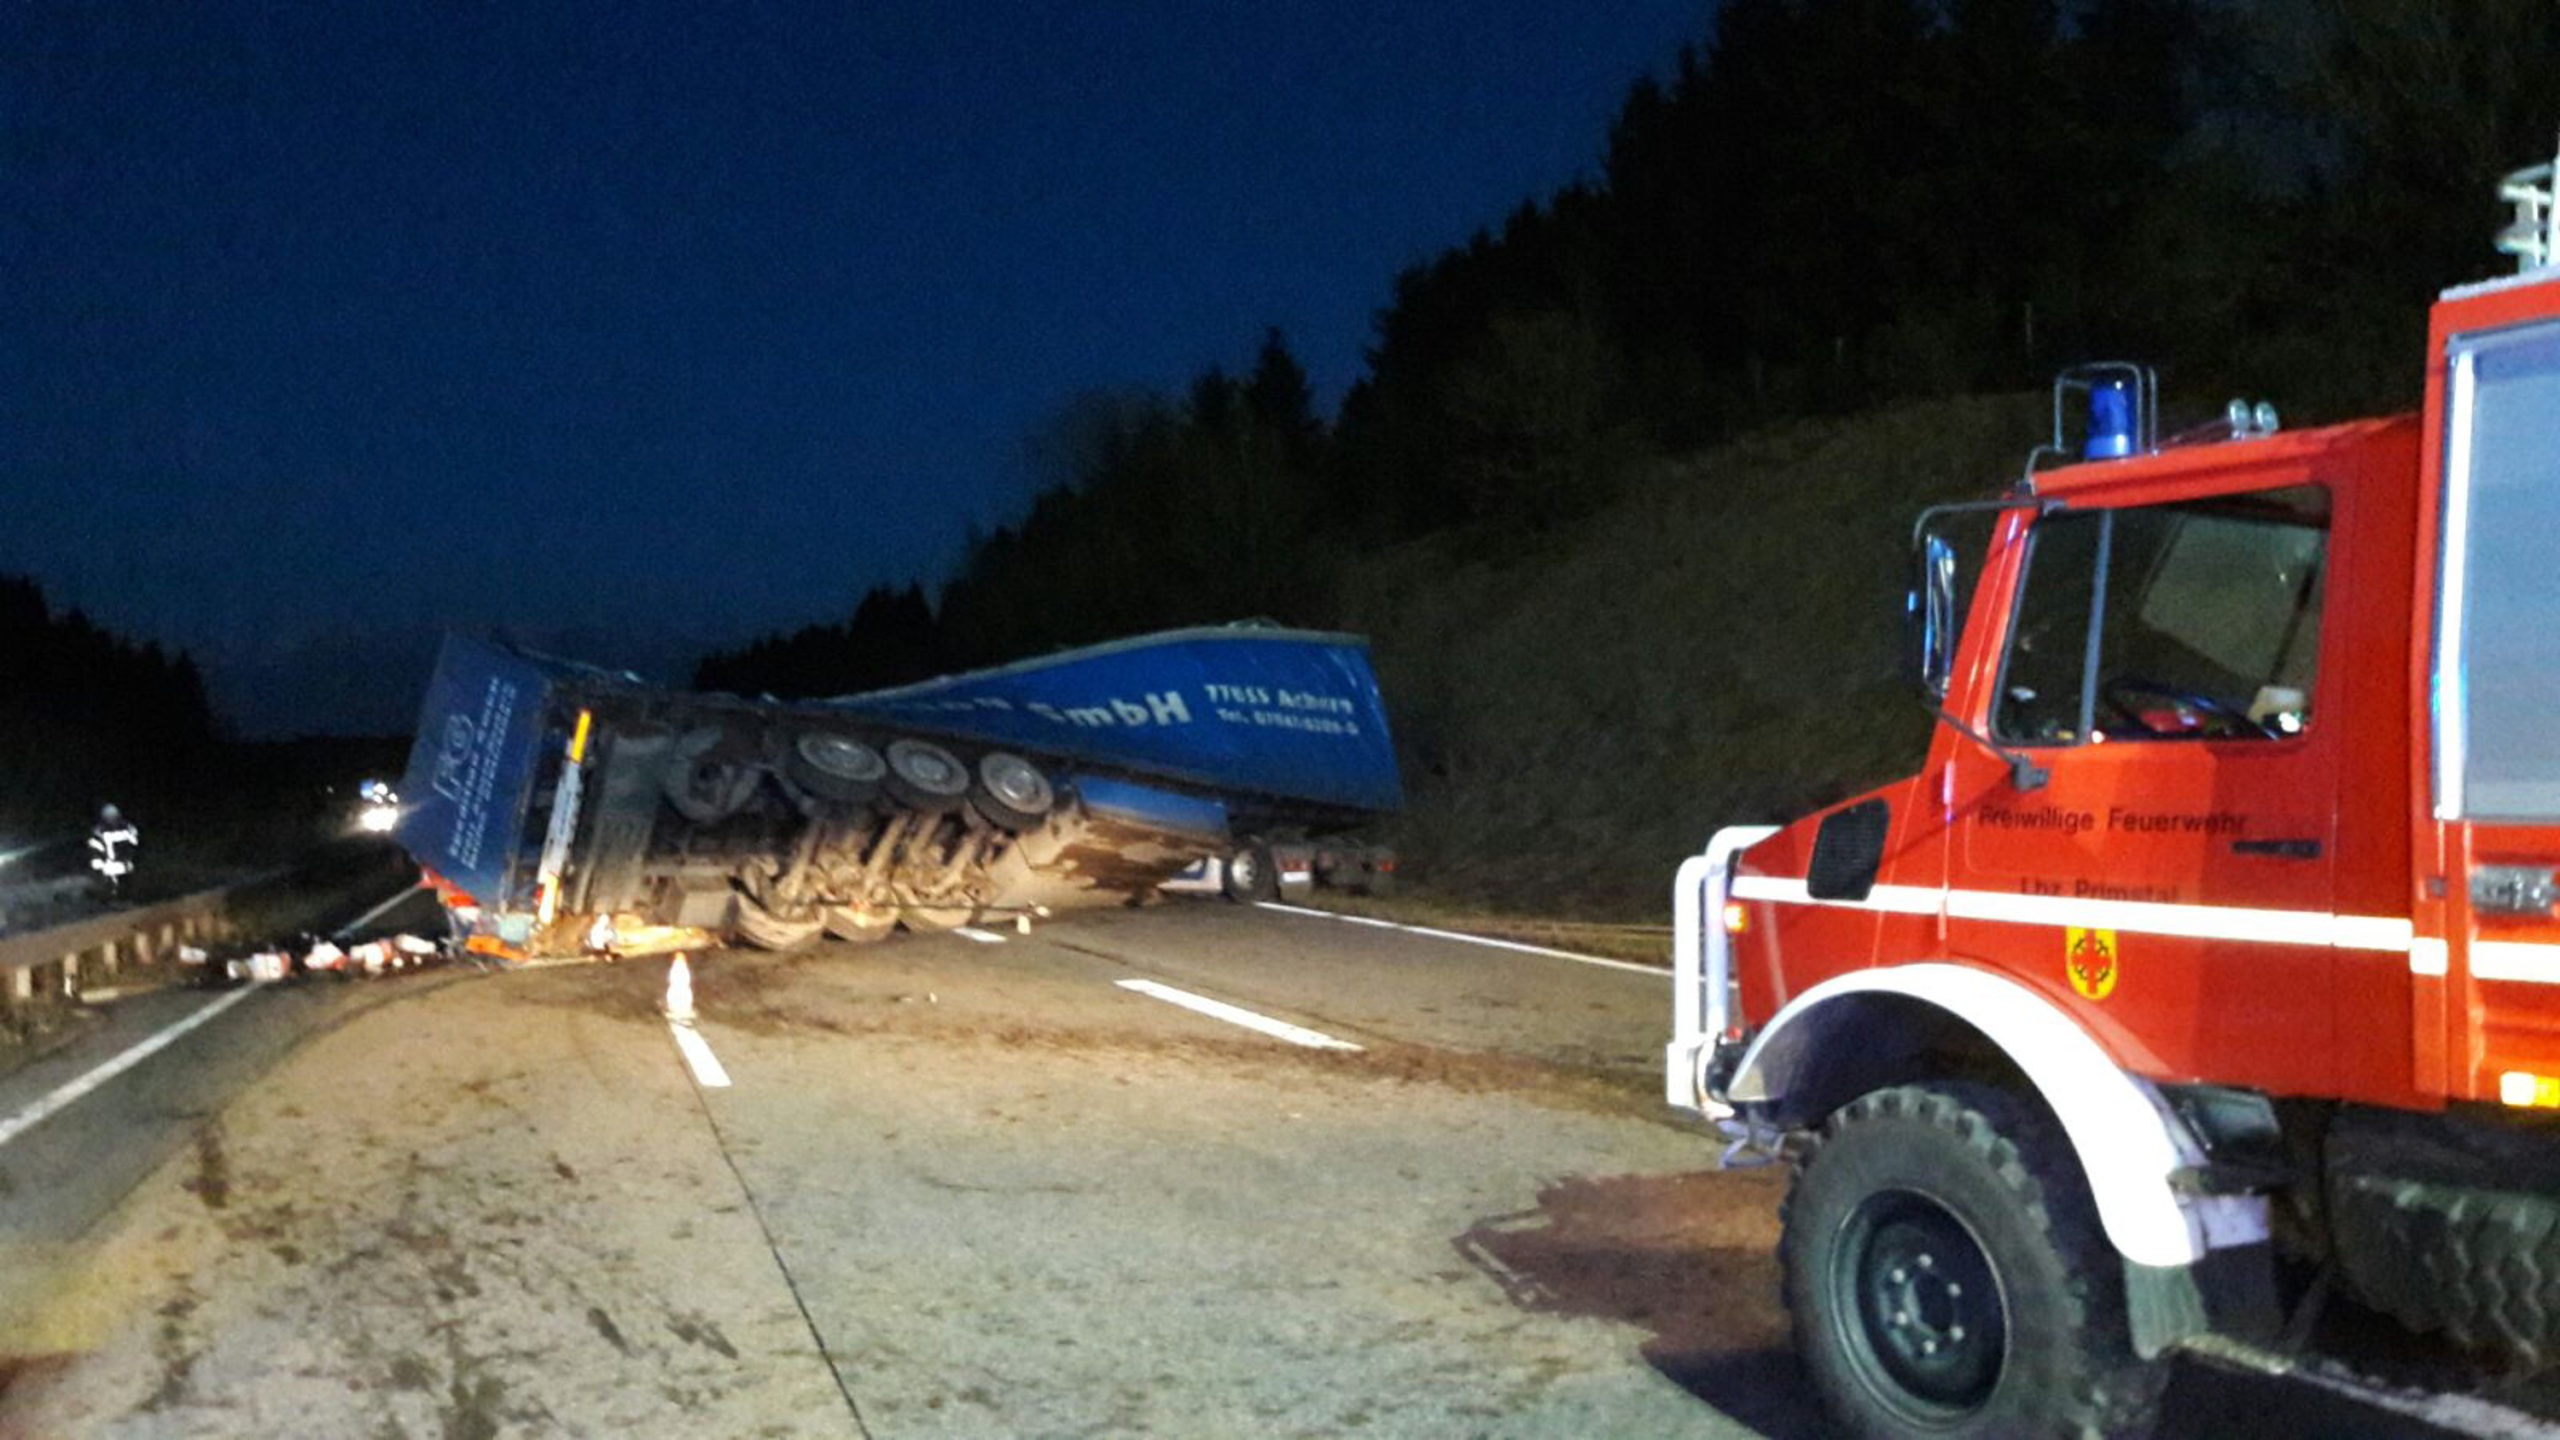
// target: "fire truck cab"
[[2219, 925]]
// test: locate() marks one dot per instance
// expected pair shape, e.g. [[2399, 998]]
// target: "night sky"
[[638, 329]]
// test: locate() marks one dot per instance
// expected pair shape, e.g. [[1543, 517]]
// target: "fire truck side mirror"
[[1929, 616]]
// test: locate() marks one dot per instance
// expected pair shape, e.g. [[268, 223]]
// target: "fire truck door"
[[2171, 882], [2496, 751]]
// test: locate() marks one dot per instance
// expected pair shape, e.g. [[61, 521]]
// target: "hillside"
[[1717, 645]]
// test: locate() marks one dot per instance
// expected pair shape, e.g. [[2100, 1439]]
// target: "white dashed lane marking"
[[707, 1071], [1238, 1015], [1606, 964]]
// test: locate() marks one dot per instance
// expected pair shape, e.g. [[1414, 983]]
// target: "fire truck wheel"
[[925, 777], [1011, 792], [1946, 1274], [834, 767], [767, 931], [1251, 875]]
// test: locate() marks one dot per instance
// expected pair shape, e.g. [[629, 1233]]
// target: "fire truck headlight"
[[378, 819]]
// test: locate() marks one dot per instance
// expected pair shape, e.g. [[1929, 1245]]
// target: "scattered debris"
[[269, 963]]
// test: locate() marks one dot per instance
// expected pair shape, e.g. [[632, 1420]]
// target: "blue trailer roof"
[[1290, 715]]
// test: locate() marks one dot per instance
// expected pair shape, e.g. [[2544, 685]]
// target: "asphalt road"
[[954, 1185], [62, 1176]]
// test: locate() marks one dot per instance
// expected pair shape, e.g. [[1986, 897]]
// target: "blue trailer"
[[560, 805]]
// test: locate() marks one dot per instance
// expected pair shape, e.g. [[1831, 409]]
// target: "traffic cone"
[[680, 991]]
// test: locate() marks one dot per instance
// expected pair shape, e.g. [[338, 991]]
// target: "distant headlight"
[[378, 819]]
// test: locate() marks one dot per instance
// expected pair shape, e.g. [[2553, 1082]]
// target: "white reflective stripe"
[[2370, 932], [1897, 899], [2515, 960], [2427, 956], [2143, 917]]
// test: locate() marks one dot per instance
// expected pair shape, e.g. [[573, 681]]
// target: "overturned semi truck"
[[560, 807]]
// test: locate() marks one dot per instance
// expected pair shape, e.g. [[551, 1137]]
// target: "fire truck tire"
[[767, 931], [1251, 874], [1947, 1274], [834, 766], [2481, 1265], [1011, 793], [925, 777]]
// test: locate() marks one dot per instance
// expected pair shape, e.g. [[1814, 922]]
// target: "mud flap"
[[2230, 1292]]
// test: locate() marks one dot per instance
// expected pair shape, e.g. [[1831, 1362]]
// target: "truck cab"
[[2223, 916]]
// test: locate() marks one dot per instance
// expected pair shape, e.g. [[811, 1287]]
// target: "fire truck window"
[[2040, 681], [2504, 684], [2211, 628]]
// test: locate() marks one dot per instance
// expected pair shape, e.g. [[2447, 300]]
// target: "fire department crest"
[[2089, 957]]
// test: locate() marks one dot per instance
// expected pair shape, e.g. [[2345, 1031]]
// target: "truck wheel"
[[1946, 1274], [767, 931], [925, 776], [1378, 873], [858, 924], [1251, 876], [2472, 1261], [701, 782], [934, 913], [1011, 792], [834, 766]]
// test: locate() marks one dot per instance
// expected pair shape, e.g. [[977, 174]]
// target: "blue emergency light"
[[2110, 422]]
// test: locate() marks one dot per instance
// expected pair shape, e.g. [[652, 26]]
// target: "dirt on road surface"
[[962, 1185], [956, 1188]]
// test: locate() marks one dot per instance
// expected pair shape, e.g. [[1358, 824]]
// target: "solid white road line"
[[697, 1054], [1238, 1015], [132, 1055], [367, 917], [1627, 965], [983, 937]]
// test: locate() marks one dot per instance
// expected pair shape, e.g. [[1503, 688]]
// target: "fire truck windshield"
[[2498, 752], [2209, 626]]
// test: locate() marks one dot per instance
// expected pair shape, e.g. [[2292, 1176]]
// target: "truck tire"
[[930, 914], [1251, 875], [767, 931], [1946, 1275], [858, 924], [703, 781], [834, 766], [924, 776], [1378, 872], [1011, 792], [2481, 1265]]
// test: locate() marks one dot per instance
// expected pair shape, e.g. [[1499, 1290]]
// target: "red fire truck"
[[2213, 958]]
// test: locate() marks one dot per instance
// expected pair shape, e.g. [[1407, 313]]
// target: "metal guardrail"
[[56, 962]]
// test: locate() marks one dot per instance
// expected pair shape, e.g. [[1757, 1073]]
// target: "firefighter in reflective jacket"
[[111, 845]]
